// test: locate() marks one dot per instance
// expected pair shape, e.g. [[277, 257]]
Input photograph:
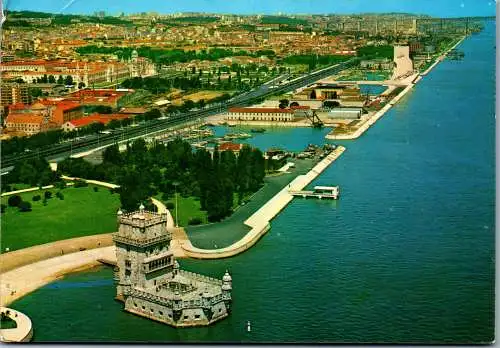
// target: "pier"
[[260, 220], [320, 192]]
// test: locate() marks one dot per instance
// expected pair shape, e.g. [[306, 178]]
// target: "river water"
[[406, 254]]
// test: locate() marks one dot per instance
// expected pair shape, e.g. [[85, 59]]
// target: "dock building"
[[260, 114], [151, 283]]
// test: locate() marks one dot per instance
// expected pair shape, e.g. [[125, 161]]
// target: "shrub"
[[96, 188], [47, 195], [170, 206], [44, 201], [195, 221], [112, 190], [36, 198], [60, 195], [81, 183], [3, 208], [61, 185], [24, 206], [14, 200]]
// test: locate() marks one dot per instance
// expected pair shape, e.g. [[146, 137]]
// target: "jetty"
[[259, 222], [320, 192]]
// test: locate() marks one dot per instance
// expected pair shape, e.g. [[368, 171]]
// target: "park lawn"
[[189, 207], [83, 212]]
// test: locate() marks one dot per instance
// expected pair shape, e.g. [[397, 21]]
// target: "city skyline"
[[446, 8]]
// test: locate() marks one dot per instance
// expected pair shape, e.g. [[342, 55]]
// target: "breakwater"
[[23, 332]]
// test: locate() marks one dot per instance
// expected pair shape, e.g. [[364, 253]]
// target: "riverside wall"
[[18, 258], [441, 57]]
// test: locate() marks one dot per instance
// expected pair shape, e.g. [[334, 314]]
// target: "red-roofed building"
[[260, 114], [106, 97], [61, 110], [230, 147], [88, 120], [133, 111], [27, 123]]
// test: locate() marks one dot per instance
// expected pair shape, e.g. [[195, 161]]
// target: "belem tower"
[[150, 282]]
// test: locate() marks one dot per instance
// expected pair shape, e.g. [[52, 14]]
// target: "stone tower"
[[149, 279], [142, 250]]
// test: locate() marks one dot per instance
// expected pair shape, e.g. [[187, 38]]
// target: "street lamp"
[[176, 183]]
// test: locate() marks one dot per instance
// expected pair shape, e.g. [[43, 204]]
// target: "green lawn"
[[189, 207], [83, 212]]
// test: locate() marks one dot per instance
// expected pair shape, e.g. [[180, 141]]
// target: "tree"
[[35, 92], [60, 80], [24, 206], [44, 79], [68, 81], [14, 200], [3, 208], [52, 79], [81, 85], [294, 104], [284, 103], [47, 195], [112, 155]]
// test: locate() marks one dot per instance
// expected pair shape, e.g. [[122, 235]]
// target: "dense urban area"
[[108, 117]]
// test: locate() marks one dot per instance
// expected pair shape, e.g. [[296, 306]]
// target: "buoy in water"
[[249, 328]]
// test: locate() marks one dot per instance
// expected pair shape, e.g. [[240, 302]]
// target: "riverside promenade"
[[373, 119], [20, 280], [410, 82], [441, 57], [259, 222], [23, 332]]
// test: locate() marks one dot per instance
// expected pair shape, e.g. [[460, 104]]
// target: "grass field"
[[189, 207], [196, 97], [83, 212]]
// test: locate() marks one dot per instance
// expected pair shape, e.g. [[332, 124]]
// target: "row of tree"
[[217, 179], [170, 56], [313, 60]]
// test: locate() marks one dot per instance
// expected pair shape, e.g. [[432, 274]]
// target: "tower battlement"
[[142, 218]]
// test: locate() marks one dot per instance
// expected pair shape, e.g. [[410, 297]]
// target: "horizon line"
[[277, 14]]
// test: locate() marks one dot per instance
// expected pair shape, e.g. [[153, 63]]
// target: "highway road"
[[60, 151]]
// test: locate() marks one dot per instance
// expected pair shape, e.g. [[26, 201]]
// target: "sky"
[[435, 8]]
